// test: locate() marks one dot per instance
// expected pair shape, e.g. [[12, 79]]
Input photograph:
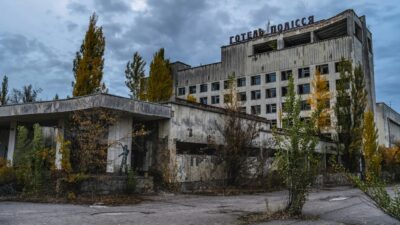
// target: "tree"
[[319, 102], [372, 156], [26, 94], [56, 97], [89, 61], [134, 74], [295, 152], [191, 98], [4, 91], [238, 134], [159, 86]]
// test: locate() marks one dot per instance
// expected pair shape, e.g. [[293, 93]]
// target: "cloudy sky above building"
[[39, 38]]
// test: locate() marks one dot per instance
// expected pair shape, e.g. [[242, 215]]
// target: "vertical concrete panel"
[[59, 137], [11, 141]]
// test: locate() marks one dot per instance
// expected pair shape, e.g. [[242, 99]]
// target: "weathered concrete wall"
[[116, 185], [388, 124], [192, 168]]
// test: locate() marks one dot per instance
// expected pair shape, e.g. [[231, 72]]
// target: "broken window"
[[203, 100], [242, 96], [284, 91], [323, 69], [270, 93], [215, 99], [358, 32], [286, 74], [182, 91], [255, 95], [203, 87], [271, 108], [241, 82], [270, 78], [296, 40], [304, 72], [265, 47], [256, 109], [303, 89], [192, 89], [334, 30], [215, 86], [256, 80]]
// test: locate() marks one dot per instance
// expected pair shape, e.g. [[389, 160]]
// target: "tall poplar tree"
[[134, 74], [89, 61], [4, 91], [159, 86]]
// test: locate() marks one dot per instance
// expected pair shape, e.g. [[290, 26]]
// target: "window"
[[270, 93], [203, 87], [283, 107], [304, 72], [273, 123], [265, 47], [358, 32], [215, 99], [323, 69], [242, 109], [256, 80], [256, 109], [271, 108], [241, 82], [284, 91], [242, 96], [305, 106], [227, 98], [181, 91], [192, 89], [286, 74], [303, 89], [345, 83], [215, 86], [203, 100], [255, 95], [270, 78], [226, 84]]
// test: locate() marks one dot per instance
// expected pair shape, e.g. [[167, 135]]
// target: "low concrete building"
[[182, 136], [388, 124]]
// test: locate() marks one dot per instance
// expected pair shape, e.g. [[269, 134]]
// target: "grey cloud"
[[111, 6], [71, 26], [75, 7]]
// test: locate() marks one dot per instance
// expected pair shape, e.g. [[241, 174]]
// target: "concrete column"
[[11, 141], [119, 134], [59, 137]]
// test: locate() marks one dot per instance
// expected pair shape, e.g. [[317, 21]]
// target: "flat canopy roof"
[[57, 108]]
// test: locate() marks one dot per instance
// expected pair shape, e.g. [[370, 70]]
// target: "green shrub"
[[7, 174], [130, 182]]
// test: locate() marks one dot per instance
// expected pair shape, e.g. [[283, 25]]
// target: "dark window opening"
[[270, 93], [265, 47], [286, 74], [215, 86], [203, 100], [334, 30], [304, 72], [296, 40], [242, 109], [242, 96], [255, 95], [305, 106], [303, 89], [226, 84], [270, 78], [193, 148], [192, 89], [203, 87], [256, 80], [241, 82], [323, 69], [256, 109], [273, 123], [271, 108], [358, 32], [284, 91], [181, 91], [215, 99]]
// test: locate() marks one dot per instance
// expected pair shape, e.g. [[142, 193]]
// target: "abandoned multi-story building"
[[262, 61]]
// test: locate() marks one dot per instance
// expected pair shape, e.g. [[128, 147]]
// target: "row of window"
[[271, 108]]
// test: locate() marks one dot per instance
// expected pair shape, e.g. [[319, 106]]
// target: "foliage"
[[191, 98], [391, 158], [134, 74], [130, 182], [7, 173], [318, 100], [56, 97], [4, 91], [349, 110], [89, 61], [372, 156], [88, 133], [26, 94], [238, 135], [159, 87], [295, 155]]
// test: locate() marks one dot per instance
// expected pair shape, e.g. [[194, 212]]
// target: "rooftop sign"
[[272, 30]]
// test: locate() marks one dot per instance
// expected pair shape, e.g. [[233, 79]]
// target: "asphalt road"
[[334, 206]]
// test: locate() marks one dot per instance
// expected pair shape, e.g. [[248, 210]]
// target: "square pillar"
[[59, 138], [11, 141], [119, 135]]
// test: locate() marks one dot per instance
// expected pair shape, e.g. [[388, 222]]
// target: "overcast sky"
[[39, 38]]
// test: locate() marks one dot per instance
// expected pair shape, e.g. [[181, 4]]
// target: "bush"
[[7, 174], [130, 182]]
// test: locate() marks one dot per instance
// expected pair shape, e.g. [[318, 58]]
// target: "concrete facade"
[[299, 51], [388, 124]]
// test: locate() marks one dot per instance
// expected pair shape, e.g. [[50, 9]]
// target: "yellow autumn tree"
[[319, 102], [372, 156], [191, 98], [159, 86]]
